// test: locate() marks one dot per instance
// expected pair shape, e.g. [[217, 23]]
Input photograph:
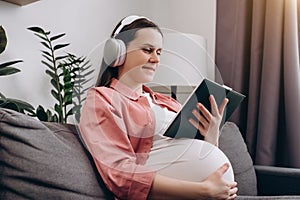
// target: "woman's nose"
[[154, 58]]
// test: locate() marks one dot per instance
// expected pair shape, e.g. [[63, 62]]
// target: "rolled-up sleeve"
[[105, 134]]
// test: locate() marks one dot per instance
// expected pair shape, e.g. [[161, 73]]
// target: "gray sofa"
[[42, 160]]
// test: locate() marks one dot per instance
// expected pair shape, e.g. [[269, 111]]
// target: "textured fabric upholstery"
[[44, 161], [232, 144]]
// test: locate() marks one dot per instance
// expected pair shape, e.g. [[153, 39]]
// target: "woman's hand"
[[218, 187], [214, 187], [209, 122]]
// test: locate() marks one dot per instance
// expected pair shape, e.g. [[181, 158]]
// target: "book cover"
[[182, 128]]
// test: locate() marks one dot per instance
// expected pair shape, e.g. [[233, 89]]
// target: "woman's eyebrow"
[[152, 46], [148, 44]]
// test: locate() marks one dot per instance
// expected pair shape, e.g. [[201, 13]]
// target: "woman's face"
[[142, 57]]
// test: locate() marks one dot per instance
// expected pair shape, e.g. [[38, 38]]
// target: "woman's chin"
[[148, 79]]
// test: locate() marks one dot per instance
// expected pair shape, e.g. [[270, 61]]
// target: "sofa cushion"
[[233, 145], [44, 161]]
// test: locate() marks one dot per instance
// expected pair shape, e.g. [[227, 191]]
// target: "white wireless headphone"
[[114, 53]]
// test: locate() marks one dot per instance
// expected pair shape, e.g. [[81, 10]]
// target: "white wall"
[[86, 23]]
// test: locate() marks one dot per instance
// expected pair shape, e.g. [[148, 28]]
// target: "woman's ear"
[[114, 52]]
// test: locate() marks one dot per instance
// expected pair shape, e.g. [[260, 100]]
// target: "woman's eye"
[[148, 50]]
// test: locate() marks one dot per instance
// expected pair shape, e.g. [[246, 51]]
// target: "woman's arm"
[[104, 132], [213, 187]]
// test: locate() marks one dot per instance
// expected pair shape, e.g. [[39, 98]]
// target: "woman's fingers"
[[201, 119], [198, 126], [223, 106], [223, 168], [232, 193], [205, 115], [206, 121], [198, 116], [215, 110], [204, 112], [213, 105]]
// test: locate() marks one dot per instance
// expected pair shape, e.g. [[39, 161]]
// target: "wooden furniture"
[[21, 2]]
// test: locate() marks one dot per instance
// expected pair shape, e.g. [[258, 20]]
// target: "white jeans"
[[186, 159]]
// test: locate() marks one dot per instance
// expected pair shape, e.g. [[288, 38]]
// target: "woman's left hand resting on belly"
[[209, 122], [213, 187]]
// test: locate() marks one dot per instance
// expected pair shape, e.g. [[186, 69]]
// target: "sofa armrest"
[[277, 180], [280, 197]]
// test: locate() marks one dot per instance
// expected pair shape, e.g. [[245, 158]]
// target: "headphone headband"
[[126, 21]]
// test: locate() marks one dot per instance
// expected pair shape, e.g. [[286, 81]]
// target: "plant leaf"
[[59, 46], [11, 106], [57, 37], [68, 99], [21, 104], [10, 63], [85, 82], [56, 95], [85, 66], [60, 57], [88, 73], [3, 39], [41, 114], [57, 109], [52, 74], [46, 45], [74, 70], [68, 85], [58, 86], [37, 30], [70, 112], [48, 65], [47, 53], [43, 37], [17, 105], [61, 66], [54, 118], [48, 58], [2, 96], [67, 77], [8, 71]]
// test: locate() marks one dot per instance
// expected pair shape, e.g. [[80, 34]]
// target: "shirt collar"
[[128, 92]]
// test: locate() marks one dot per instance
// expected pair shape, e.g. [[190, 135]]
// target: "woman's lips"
[[149, 68]]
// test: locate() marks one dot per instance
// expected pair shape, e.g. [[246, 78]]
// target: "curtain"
[[257, 53]]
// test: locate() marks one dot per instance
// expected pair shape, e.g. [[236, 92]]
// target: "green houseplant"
[[6, 69], [68, 74]]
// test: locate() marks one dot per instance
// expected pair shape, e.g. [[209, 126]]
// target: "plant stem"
[[61, 114]]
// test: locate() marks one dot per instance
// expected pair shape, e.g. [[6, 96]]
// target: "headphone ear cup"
[[114, 52]]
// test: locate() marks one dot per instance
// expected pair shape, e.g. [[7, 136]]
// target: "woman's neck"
[[137, 87]]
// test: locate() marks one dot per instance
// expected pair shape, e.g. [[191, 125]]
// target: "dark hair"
[[107, 73]]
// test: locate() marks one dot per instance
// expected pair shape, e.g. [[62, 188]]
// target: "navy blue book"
[[182, 128]]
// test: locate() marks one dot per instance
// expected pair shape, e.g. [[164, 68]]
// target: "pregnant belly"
[[187, 159]]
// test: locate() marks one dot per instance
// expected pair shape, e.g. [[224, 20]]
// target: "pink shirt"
[[117, 126]]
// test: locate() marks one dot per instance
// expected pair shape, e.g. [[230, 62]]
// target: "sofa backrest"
[[43, 160], [232, 144]]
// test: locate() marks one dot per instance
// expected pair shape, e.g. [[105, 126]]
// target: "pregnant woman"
[[122, 123]]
